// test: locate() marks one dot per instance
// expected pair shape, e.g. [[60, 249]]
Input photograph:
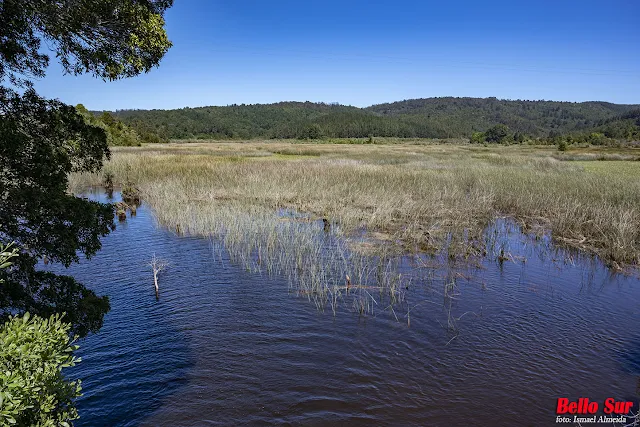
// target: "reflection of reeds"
[[315, 263], [107, 182]]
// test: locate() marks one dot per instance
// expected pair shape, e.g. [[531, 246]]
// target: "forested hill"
[[281, 120], [426, 118], [623, 127], [463, 116]]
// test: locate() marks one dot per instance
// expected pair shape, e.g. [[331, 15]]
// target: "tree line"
[[418, 118], [118, 133], [625, 127]]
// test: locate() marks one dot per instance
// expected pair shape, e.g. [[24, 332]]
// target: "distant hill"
[[425, 118], [463, 116], [622, 127]]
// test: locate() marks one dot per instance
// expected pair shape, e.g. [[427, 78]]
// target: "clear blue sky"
[[367, 52]]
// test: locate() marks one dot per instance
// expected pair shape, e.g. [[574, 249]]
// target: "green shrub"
[[498, 134], [596, 138], [117, 132], [33, 391], [7, 252], [312, 131], [477, 138], [33, 352]]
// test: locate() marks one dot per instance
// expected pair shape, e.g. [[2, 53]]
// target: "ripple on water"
[[225, 346]]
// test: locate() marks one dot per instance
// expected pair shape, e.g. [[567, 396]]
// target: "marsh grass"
[[317, 264], [597, 156], [421, 195], [425, 198]]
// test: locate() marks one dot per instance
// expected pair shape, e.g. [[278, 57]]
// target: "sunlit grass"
[[623, 169], [419, 194]]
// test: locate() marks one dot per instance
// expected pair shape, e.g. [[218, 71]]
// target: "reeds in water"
[[423, 197]]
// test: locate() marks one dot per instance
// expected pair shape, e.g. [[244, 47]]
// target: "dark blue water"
[[224, 346]]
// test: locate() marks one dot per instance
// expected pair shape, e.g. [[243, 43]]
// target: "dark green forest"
[[417, 118], [116, 131], [625, 126], [464, 116]]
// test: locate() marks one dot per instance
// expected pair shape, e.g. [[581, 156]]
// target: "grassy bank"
[[416, 194]]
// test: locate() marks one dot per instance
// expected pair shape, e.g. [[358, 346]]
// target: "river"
[[226, 346]]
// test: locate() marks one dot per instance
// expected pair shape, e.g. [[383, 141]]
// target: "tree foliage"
[[118, 134], [498, 134], [33, 353], [109, 39], [624, 127], [7, 252], [478, 137], [43, 141], [463, 116]]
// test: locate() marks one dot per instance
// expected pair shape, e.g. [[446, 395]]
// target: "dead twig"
[[157, 265]]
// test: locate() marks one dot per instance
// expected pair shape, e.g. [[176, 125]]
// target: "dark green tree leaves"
[[109, 39], [42, 142], [426, 118], [498, 134]]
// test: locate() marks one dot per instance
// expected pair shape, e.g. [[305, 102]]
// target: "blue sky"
[[368, 52]]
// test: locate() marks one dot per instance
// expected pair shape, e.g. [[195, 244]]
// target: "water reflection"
[[226, 346]]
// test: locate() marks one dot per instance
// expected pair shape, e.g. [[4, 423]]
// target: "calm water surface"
[[224, 346]]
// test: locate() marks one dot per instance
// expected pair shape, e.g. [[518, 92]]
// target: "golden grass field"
[[417, 194]]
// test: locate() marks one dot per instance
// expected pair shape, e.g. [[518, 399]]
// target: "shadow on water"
[[630, 357], [227, 346]]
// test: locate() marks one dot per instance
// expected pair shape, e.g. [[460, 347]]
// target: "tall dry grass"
[[419, 195]]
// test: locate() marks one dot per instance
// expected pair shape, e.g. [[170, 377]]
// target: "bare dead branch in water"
[[157, 265]]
